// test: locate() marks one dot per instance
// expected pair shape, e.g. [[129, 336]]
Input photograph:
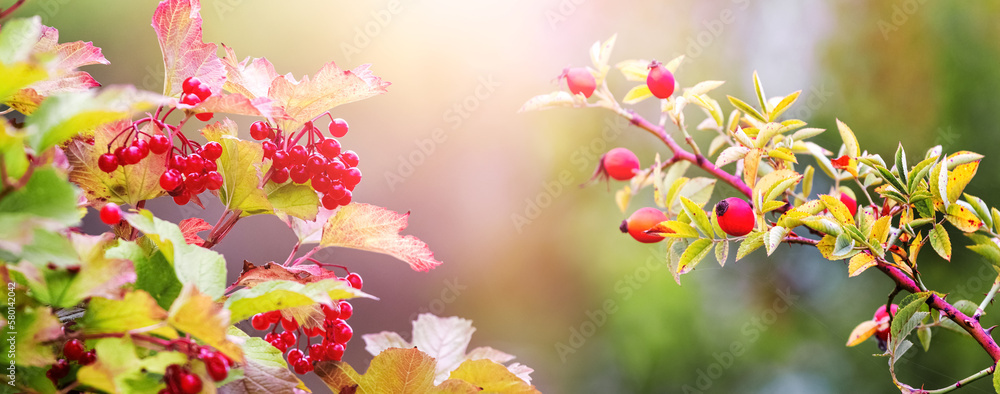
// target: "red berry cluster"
[[193, 173], [330, 170], [196, 91], [73, 350], [180, 379], [333, 334]]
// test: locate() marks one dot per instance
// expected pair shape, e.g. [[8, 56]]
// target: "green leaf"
[[288, 198], [46, 200], [693, 255], [65, 115], [136, 310], [760, 92], [850, 141], [193, 264], [924, 334], [940, 241], [939, 183], [240, 167], [731, 154], [843, 246], [198, 316], [753, 241], [774, 237], [126, 185], [283, 294], [783, 105], [18, 39], [153, 272], [986, 247], [722, 252], [908, 317], [806, 133], [807, 181], [35, 328], [901, 164], [746, 108], [887, 176], [918, 172], [823, 224], [981, 209], [700, 218]]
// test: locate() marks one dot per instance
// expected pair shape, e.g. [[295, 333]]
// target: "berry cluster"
[[321, 162], [73, 350], [333, 333], [180, 379], [196, 91], [193, 173]]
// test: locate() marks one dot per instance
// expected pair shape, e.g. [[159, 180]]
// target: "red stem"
[[11, 9]]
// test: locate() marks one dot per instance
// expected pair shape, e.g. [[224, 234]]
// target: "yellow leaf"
[[850, 141], [837, 209], [859, 263], [750, 164], [880, 230], [825, 246], [197, 315], [634, 69], [959, 178], [862, 332], [963, 218], [491, 377], [376, 229], [637, 94], [622, 197]]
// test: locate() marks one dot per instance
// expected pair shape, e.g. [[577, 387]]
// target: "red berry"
[[111, 213], [331, 313], [279, 176], [281, 159], [170, 179], [190, 84], [88, 358], [352, 178], [314, 331], [73, 349], [335, 168], [338, 128], [350, 158], [736, 216], [620, 163], [300, 367], [355, 280], [298, 155], [269, 149], [159, 144], [346, 199], [211, 150], [317, 351], [288, 337], [298, 173], [321, 183], [346, 310], [194, 181], [852, 205], [258, 130], [289, 324], [190, 99], [204, 116], [190, 383], [279, 344], [342, 332], [107, 162], [329, 202], [659, 80], [642, 220], [182, 198], [143, 147], [217, 367], [315, 164], [58, 371], [337, 191], [213, 180], [273, 316], [329, 147], [132, 155], [294, 356], [202, 91], [178, 162], [195, 163], [335, 352], [259, 322], [581, 81], [271, 336]]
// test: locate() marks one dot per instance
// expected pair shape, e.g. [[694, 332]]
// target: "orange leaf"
[[191, 227], [862, 332], [376, 229]]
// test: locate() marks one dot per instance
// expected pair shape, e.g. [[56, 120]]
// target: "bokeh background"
[[924, 73]]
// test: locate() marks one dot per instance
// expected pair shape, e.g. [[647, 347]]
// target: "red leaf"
[[330, 87], [841, 163], [178, 28], [376, 229], [191, 227]]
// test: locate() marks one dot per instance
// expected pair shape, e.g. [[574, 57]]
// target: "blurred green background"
[[924, 73]]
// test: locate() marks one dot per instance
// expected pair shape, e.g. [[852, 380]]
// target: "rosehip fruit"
[[642, 220], [620, 163], [581, 81], [338, 128], [107, 162], [736, 216], [111, 213], [660, 80], [852, 205], [882, 319]]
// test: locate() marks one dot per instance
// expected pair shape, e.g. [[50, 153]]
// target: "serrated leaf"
[[404, 371], [837, 209], [32, 329], [153, 272], [126, 185], [807, 180], [826, 245], [859, 263], [637, 94], [908, 317], [239, 166], [722, 252], [376, 229], [774, 237], [197, 315], [600, 53], [753, 241], [890, 178], [939, 184], [635, 70], [806, 133], [746, 108], [177, 24], [880, 230], [330, 87], [962, 218], [693, 255], [66, 115], [136, 310], [919, 172], [850, 141], [282, 294], [759, 89], [699, 217], [938, 236], [962, 157], [717, 143], [901, 164], [703, 87], [820, 154], [264, 368], [981, 209], [862, 332], [490, 377], [731, 154], [195, 265], [774, 184]]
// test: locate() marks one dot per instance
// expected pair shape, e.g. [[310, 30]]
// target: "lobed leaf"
[[177, 24], [376, 229]]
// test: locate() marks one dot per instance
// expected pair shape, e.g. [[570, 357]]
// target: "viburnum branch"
[[988, 299], [978, 375], [681, 154]]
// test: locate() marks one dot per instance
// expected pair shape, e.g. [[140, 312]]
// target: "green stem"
[[962, 382], [989, 298]]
